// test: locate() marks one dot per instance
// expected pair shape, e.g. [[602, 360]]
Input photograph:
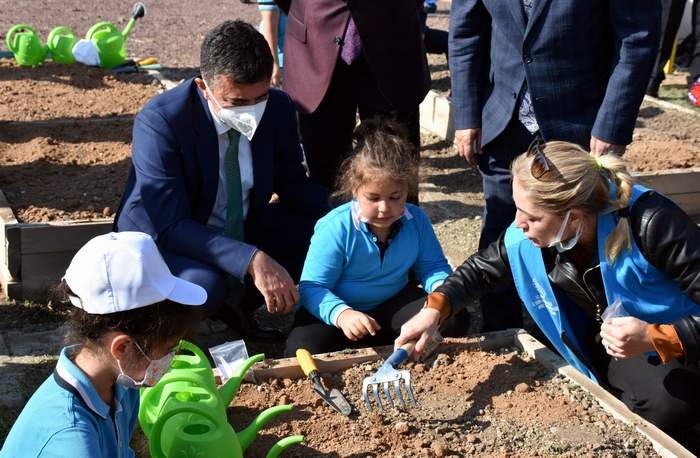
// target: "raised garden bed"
[[65, 136], [500, 394]]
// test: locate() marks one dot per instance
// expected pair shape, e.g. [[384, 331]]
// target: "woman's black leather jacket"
[[665, 235]]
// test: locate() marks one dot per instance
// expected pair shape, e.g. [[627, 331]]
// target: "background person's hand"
[[276, 79], [600, 147], [273, 282], [468, 144], [355, 325], [625, 337], [420, 328]]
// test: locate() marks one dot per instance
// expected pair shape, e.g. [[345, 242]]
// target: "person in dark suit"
[[207, 158], [342, 57], [558, 70]]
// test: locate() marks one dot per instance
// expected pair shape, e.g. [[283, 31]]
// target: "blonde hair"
[[381, 149], [577, 179]]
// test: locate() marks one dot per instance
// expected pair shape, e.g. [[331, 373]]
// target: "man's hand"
[[273, 281], [276, 79], [600, 147], [625, 337], [355, 325], [421, 328], [468, 144]]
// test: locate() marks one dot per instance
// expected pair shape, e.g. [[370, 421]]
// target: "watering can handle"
[[9, 39], [100, 26], [58, 31]]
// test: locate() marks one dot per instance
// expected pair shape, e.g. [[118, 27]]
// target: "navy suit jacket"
[[174, 176], [586, 64]]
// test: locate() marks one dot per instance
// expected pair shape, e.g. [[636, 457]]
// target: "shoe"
[[694, 93], [429, 7]]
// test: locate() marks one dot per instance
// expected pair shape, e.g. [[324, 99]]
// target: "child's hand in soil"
[[355, 325]]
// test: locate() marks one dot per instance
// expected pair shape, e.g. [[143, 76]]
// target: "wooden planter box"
[[680, 185], [35, 256], [289, 368]]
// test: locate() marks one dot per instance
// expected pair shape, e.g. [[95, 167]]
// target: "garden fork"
[[388, 375]]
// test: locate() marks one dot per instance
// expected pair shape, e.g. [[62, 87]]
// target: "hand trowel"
[[333, 397]]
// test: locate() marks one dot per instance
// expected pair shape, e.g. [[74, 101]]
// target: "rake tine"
[[397, 390], [387, 393], [375, 392], [365, 396], [409, 390]]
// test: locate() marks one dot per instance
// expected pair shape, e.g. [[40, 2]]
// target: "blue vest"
[[645, 292]]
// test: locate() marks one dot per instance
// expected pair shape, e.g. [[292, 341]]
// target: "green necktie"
[[233, 227]]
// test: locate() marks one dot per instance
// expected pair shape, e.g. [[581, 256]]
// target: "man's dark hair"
[[236, 50]]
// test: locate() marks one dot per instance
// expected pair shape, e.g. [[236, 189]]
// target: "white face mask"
[[243, 119], [569, 244], [154, 372]]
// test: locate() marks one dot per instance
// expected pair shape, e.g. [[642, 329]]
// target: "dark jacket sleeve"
[[670, 241], [468, 47], [688, 330], [479, 274]]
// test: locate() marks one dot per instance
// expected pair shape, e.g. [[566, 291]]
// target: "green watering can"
[[185, 414], [60, 43], [25, 44], [110, 42]]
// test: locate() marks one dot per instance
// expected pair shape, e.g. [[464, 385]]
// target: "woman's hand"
[[421, 328], [356, 325], [625, 337]]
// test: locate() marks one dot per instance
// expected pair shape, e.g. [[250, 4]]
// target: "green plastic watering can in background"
[[25, 44], [60, 43], [110, 42]]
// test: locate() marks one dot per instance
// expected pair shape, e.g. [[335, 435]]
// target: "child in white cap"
[[130, 313]]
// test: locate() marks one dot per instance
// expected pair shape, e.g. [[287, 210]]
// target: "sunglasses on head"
[[540, 165]]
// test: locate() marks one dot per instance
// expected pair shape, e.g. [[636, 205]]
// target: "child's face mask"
[[154, 372]]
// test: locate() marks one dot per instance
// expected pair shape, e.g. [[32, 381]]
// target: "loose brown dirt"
[[469, 403]]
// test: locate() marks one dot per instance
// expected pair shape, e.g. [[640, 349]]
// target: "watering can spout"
[[247, 436], [229, 389], [138, 11]]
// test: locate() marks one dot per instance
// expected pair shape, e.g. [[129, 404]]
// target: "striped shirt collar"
[[72, 378]]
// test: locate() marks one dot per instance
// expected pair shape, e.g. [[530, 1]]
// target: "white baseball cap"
[[123, 271]]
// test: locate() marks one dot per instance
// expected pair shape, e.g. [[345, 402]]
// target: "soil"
[[469, 402]]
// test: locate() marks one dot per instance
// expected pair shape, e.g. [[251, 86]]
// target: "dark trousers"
[[327, 132], [501, 308], [671, 15], [666, 395], [281, 233], [318, 337], [694, 64]]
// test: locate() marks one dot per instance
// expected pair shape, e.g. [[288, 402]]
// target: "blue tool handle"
[[401, 354]]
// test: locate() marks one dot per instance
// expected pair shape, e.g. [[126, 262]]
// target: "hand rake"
[[388, 375]]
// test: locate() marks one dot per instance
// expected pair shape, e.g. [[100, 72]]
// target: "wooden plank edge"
[[662, 442], [6, 213]]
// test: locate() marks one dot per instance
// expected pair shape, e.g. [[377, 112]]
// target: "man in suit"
[[555, 69], [207, 157], [345, 56]]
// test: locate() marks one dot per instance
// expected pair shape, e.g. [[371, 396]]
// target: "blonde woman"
[[586, 238]]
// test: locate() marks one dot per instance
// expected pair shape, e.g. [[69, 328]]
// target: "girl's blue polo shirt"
[[66, 417]]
